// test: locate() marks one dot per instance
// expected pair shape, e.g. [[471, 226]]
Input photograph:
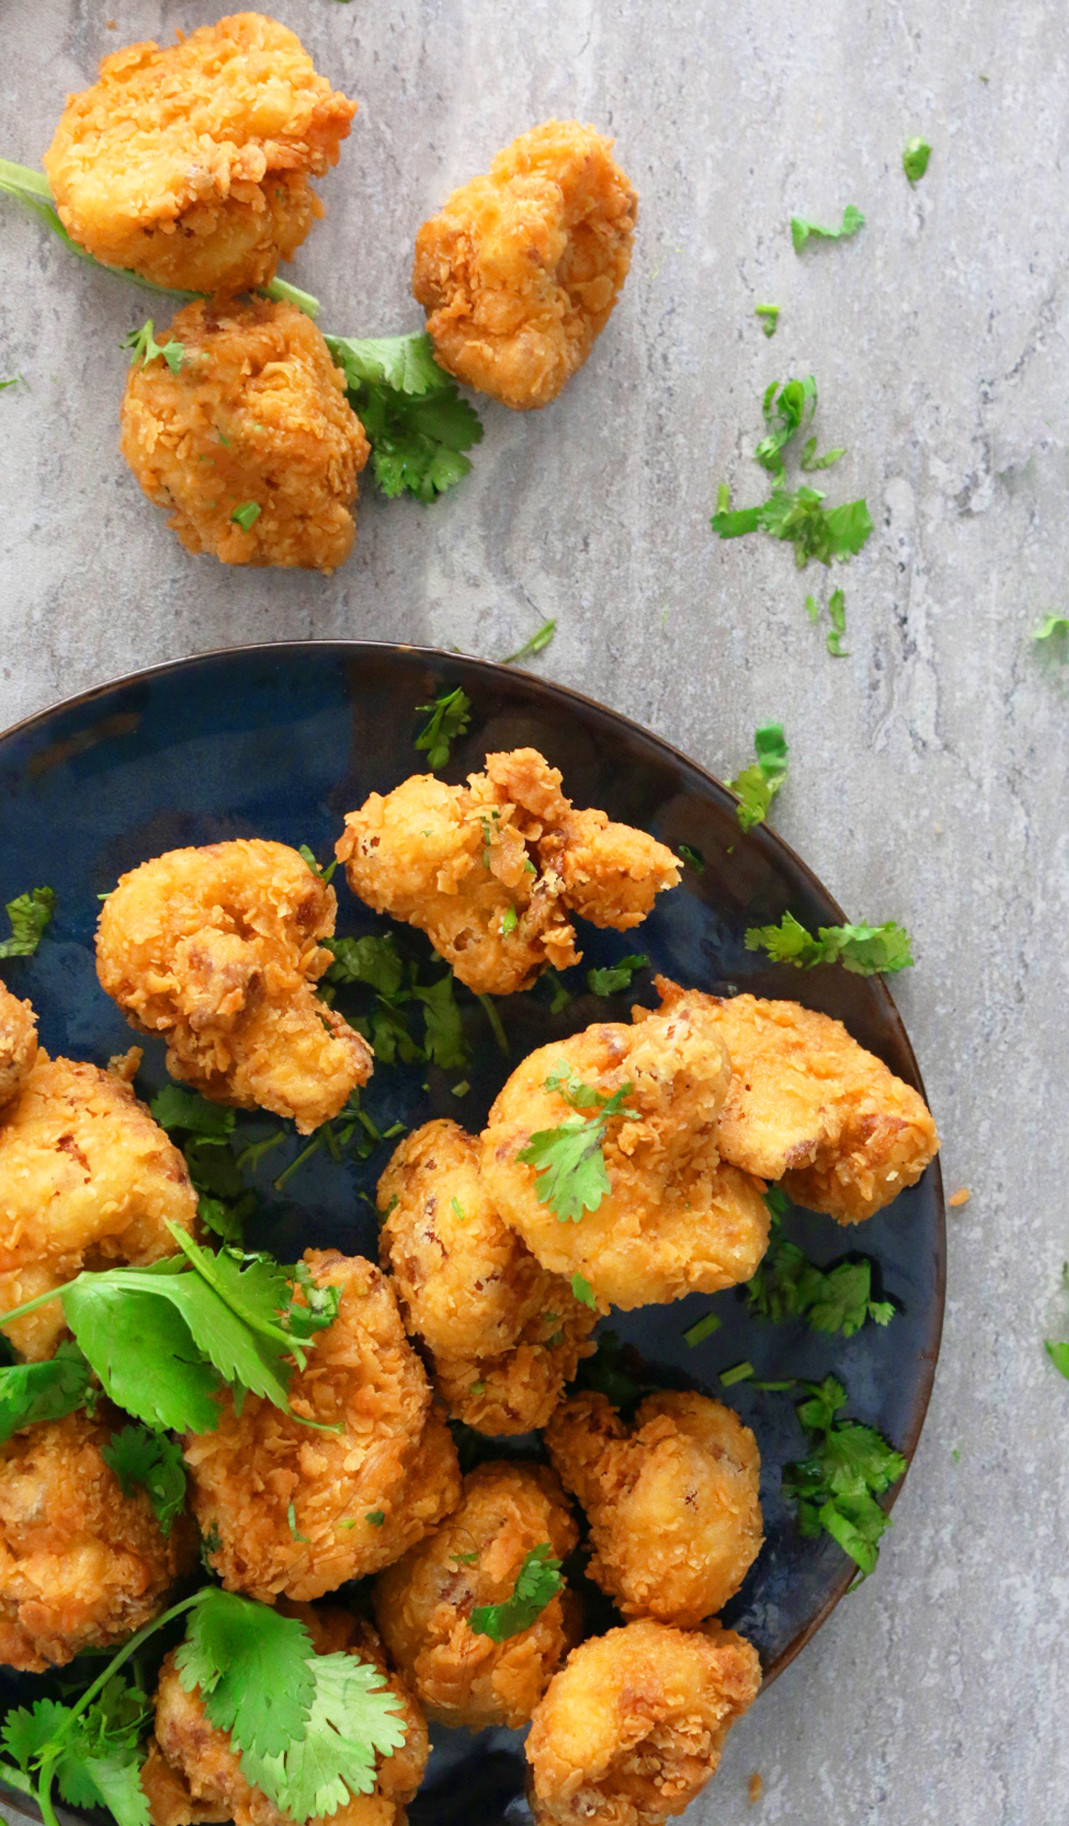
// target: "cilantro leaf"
[[29, 914], [252, 1667], [154, 1461], [537, 643], [352, 1721], [537, 1582], [693, 857], [96, 1753], [614, 977], [247, 514], [443, 1037], [615, 1370], [323, 874], [803, 231], [372, 960], [785, 412], [583, 1291], [848, 1466], [770, 315], [417, 424], [146, 348], [569, 1161], [450, 715], [1052, 629], [787, 1285], [376, 962], [758, 784], [864, 950], [176, 1108], [915, 158], [31, 1392], [201, 1129], [1059, 1355], [405, 364]]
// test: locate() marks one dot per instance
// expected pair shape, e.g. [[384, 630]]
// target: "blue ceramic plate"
[[280, 742]]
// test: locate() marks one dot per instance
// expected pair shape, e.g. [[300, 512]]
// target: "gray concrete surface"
[[928, 769]]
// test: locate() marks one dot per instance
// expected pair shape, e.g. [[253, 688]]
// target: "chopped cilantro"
[[786, 409], [376, 962], [758, 784], [787, 1285], [155, 1462], [614, 977], [11, 381], [847, 1467], [146, 348], [509, 921], [915, 158], [416, 422], [702, 1328], [569, 1161], [583, 1292], [450, 715], [537, 1583], [31, 1392], [864, 950], [376, 1517], [770, 315], [693, 857], [29, 914], [803, 231], [616, 1371], [740, 1372], [1054, 628], [837, 614], [477, 1388], [247, 515], [537, 643], [1057, 1352]]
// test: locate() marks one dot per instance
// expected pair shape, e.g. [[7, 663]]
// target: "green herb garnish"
[[758, 784], [915, 158], [848, 1466], [415, 419], [864, 950], [29, 914], [613, 977], [803, 231], [569, 1161], [450, 715], [537, 1582], [146, 348]]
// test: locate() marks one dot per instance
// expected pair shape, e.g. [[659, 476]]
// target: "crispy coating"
[[520, 270], [192, 1774], [292, 1507], [503, 1335], [87, 1180], [633, 1726], [256, 417], [423, 1603], [190, 164], [808, 1105], [81, 1565], [672, 1502], [218, 949], [491, 871], [18, 1045], [676, 1219]]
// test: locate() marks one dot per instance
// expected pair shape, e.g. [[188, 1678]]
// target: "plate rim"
[[550, 688]]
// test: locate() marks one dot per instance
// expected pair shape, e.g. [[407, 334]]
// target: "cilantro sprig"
[[803, 231], [32, 1392], [145, 347], [152, 1461], [611, 978], [864, 950], [847, 1467], [758, 784], [537, 1583], [416, 421], [448, 719], [569, 1160], [377, 963], [28, 914]]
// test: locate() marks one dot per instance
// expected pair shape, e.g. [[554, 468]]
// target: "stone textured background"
[[928, 769]]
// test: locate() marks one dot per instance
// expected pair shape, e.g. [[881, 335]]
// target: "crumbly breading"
[[492, 871], [807, 1105], [672, 1501], [633, 1726], [255, 423], [423, 1604], [218, 950], [87, 1180], [81, 1565], [192, 1774], [18, 1045], [190, 164], [676, 1219], [299, 1511], [503, 1336], [520, 270]]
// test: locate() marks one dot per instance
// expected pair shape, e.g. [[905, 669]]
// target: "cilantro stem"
[[305, 1154], [496, 1027], [54, 1293]]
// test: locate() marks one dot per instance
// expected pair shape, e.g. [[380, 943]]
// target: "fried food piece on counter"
[[809, 1106], [633, 1726], [520, 270], [190, 164], [424, 1602], [503, 1335], [299, 1511], [492, 871], [218, 950], [87, 1180], [675, 1218], [252, 442], [193, 1775], [18, 1045], [81, 1565], [672, 1501]]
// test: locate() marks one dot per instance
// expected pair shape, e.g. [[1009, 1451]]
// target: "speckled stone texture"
[[928, 769]]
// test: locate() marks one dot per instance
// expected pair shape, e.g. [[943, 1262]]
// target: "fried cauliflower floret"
[[255, 423], [218, 950], [491, 871], [503, 1335], [192, 1774], [424, 1602], [18, 1045], [675, 1219], [81, 1565], [633, 1726], [87, 1180], [672, 1502], [519, 272], [299, 1511], [811, 1107], [190, 164]]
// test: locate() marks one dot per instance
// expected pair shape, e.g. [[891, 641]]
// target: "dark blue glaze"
[[280, 742]]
